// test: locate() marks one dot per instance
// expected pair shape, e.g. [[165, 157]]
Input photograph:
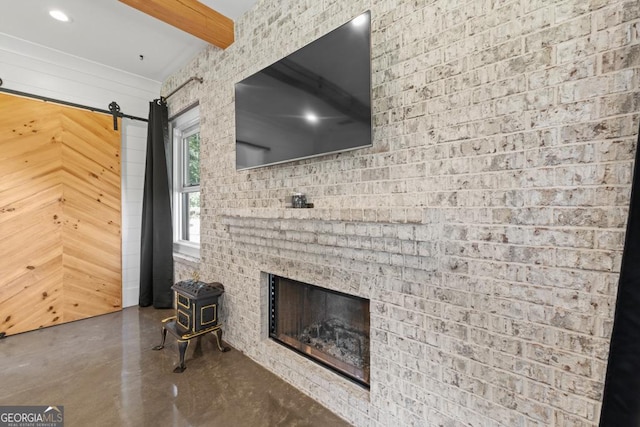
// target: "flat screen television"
[[313, 102]]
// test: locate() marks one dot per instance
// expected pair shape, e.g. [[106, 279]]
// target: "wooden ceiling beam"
[[191, 16]]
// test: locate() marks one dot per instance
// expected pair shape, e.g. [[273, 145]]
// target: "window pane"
[[192, 160], [191, 210]]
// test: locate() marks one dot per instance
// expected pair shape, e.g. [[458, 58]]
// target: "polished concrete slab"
[[104, 372]]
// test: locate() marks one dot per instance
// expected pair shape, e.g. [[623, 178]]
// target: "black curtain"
[[156, 251], [621, 401]]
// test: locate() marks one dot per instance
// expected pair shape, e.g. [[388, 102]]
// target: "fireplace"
[[329, 327]]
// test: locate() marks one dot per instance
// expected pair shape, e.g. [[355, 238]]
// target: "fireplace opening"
[[326, 326]]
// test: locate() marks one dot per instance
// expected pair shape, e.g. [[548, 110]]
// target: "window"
[[186, 183]]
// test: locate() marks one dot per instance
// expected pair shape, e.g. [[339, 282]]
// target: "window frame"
[[183, 126]]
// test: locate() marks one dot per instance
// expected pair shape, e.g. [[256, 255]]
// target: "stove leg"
[[218, 334], [164, 337], [182, 348], [197, 351]]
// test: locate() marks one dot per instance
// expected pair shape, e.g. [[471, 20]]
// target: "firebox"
[[329, 327]]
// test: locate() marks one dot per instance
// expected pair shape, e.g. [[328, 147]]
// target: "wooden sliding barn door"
[[60, 221]]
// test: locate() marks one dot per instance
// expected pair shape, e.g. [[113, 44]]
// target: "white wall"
[[35, 69]]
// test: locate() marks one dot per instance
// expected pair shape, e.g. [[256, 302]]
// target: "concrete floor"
[[104, 373]]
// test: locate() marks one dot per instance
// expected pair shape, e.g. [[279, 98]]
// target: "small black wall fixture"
[[114, 108], [621, 400]]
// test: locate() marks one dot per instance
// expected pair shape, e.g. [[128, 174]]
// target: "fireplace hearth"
[[329, 327]]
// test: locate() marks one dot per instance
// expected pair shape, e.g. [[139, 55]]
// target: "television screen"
[[315, 101]]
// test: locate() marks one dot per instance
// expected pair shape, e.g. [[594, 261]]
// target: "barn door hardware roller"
[[115, 112], [114, 108]]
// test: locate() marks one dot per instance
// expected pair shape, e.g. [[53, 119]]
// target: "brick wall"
[[486, 223]]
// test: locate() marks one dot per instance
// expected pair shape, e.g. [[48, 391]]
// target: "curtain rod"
[[114, 108], [198, 79]]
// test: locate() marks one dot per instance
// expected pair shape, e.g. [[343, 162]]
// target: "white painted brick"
[[485, 224]]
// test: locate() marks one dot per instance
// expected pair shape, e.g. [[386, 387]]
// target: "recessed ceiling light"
[[359, 20], [311, 117], [59, 15]]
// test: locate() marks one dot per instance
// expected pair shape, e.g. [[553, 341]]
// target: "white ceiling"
[[110, 33]]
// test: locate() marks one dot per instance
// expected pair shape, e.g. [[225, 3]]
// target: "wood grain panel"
[[81, 301], [191, 16], [43, 290], [40, 226], [60, 219]]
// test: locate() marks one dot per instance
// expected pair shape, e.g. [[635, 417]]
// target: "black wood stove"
[[196, 314]]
